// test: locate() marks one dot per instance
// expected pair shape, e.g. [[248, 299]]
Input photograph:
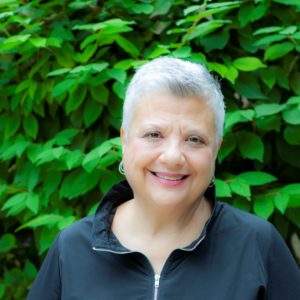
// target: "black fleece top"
[[237, 256]]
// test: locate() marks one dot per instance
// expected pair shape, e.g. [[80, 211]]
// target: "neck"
[[180, 225]]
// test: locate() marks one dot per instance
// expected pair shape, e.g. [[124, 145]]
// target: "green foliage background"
[[64, 69]]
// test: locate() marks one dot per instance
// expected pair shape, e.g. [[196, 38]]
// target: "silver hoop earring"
[[212, 183], [121, 168]]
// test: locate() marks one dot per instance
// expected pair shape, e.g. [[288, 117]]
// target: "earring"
[[212, 183], [121, 168]]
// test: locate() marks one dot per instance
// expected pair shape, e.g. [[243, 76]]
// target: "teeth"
[[169, 178]]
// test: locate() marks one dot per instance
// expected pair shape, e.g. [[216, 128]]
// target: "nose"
[[172, 154]]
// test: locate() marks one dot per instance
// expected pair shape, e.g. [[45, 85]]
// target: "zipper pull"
[[156, 280]]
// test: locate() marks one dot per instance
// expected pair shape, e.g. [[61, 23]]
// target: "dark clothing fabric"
[[238, 256]]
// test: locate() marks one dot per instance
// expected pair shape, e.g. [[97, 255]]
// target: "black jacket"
[[238, 256]]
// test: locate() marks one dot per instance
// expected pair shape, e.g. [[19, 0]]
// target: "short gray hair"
[[182, 79]]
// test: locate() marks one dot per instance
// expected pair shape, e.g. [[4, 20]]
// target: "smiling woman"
[[161, 234]]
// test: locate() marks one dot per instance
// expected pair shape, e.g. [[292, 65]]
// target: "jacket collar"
[[102, 235]]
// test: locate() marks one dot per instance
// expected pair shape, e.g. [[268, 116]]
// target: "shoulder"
[[233, 216], [243, 225], [77, 232]]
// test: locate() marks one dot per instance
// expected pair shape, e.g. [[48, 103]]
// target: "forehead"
[[164, 108]]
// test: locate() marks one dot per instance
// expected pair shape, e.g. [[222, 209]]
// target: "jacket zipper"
[[156, 285], [112, 251], [156, 276]]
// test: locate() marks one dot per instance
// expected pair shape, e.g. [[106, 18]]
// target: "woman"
[[161, 234]]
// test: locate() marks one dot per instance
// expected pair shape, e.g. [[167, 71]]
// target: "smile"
[[169, 176]]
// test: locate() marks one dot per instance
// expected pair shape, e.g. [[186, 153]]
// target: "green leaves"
[[248, 63], [31, 126], [278, 50], [7, 242], [250, 145], [256, 178], [63, 80]]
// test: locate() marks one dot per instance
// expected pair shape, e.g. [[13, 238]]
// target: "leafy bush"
[[64, 69]]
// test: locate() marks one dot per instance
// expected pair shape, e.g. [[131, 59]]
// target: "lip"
[[169, 179]]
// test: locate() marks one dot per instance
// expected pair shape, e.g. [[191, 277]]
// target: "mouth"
[[169, 176]]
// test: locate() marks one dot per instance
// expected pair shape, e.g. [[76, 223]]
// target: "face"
[[169, 152]]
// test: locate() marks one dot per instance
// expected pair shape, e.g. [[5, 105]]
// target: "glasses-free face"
[[169, 152]]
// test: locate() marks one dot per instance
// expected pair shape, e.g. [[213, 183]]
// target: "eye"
[[153, 135], [195, 140]]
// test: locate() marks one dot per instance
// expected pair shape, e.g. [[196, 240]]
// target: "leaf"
[[292, 189], [59, 72], [292, 116], [289, 30], [32, 202], [31, 126], [100, 93], [228, 145], [92, 159], [38, 42], [216, 40], [205, 28], [281, 201], [88, 52], [292, 135], [90, 68], [248, 86], [219, 68], [65, 137], [76, 99], [15, 148], [263, 110], [108, 179], [127, 46], [238, 116], [183, 52], [91, 113], [119, 89], [42, 220], [51, 182], [7, 242], [65, 222], [78, 183], [248, 63], [278, 50], [250, 145], [240, 187], [268, 76], [267, 30], [73, 159], [268, 40], [142, 8], [50, 155], [269, 123], [15, 40], [263, 205], [256, 178], [161, 7], [293, 100], [16, 200], [64, 86], [222, 188], [110, 26], [11, 127], [117, 74]]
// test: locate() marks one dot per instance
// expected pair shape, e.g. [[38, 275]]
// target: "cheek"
[[203, 162], [137, 153]]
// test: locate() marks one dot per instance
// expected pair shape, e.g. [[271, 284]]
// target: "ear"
[[220, 144], [123, 138]]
